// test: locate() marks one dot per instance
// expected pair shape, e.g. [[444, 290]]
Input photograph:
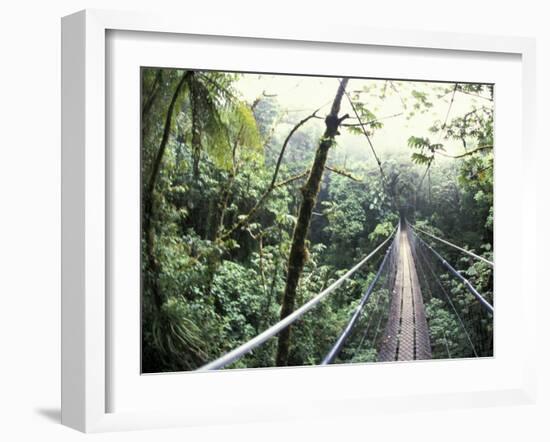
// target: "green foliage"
[[422, 101], [381, 231], [223, 285], [426, 149], [444, 330], [352, 210]]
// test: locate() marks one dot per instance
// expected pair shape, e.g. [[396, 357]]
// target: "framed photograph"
[[264, 224]]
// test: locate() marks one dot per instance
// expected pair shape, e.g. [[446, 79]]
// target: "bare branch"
[[343, 173], [366, 123], [369, 140], [243, 221], [292, 178], [466, 154]]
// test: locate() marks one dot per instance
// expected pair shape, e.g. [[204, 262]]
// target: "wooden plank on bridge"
[[406, 336]]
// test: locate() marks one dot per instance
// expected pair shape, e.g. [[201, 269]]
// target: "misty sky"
[[300, 96]]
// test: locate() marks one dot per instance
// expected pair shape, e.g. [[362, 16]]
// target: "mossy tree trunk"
[[148, 200], [310, 190], [196, 146]]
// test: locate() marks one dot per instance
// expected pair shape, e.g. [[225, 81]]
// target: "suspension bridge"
[[391, 313]]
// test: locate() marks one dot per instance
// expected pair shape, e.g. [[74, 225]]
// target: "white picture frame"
[[86, 356]]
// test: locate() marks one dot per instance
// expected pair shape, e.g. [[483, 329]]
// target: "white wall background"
[[30, 216]]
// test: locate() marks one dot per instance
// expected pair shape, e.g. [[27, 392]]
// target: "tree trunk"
[[298, 253], [218, 216], [196, 146], [153, 94], [148, 198]]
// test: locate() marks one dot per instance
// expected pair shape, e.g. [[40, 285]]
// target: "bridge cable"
[[390, 274], [376, 309], [464, 281], [423, 261], [440, 136], [362, 125], [337, 347], [367, 137], [390, 282], [473, 255], [451, 303], [250, 345]]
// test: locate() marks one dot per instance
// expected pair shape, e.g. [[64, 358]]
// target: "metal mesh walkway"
[[406, 335]]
